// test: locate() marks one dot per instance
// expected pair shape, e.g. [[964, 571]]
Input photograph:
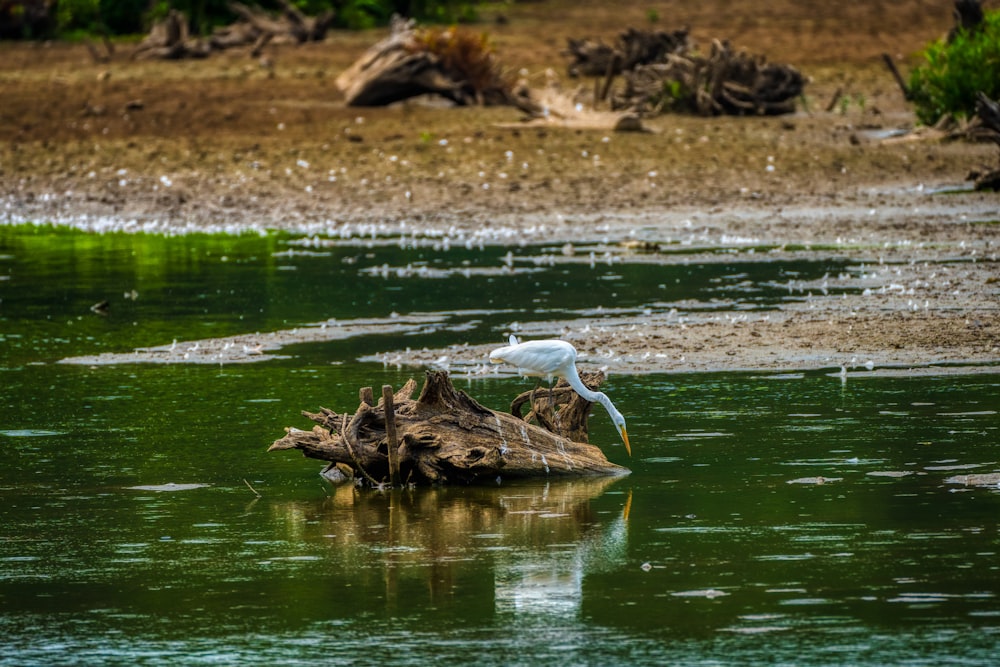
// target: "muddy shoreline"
[[929, 305], [227, 145]]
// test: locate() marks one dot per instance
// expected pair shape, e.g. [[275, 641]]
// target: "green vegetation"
[[74, 18], [955, 70]]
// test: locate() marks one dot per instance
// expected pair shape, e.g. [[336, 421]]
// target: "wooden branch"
[[724, 82], [169, 39], [609, 76], [632, 48], [391, 443], [570, 420], [366, 396], [444, 436], [260, 20], [96, 55], [988, 112], [891, 64]]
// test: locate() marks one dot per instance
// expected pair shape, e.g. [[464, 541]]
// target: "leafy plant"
[[954, 71], [675, 95], [362, 14], [437, 11], [77, 15]]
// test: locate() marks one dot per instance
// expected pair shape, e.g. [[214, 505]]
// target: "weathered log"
[[592, 57], [291, 23], [446, 437], [662, 72], [725, 82], [988, 112], [451, 63], [633, 48], [169, 39], [560, 409], [235, 35]]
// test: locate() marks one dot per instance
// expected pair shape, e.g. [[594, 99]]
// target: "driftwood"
[[633, 47], [446, 437], [988, 112], [663, 72], [169, 39], [451, 63], [725, 82], [291, 25]]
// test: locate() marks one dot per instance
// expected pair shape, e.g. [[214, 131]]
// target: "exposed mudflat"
[[230, 144]]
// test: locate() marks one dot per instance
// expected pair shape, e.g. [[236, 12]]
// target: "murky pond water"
[[771, 518]]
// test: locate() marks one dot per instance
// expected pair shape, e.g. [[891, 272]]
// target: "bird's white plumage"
[[555, 358], [538, 358]]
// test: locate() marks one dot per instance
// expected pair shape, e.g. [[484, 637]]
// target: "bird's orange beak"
[[625, 438]]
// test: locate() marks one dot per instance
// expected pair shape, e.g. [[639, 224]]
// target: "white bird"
[[556, 358]]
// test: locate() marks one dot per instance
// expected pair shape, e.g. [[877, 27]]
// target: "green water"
[[711, 552]]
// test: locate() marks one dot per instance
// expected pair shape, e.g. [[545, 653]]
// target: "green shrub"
[[123, 17], [83, 17], [954, 71], [360, 14], [74, 15]]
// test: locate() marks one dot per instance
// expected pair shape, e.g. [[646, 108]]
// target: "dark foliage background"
[[34, 19]]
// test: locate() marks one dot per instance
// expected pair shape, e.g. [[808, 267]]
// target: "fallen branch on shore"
[[170, 38]]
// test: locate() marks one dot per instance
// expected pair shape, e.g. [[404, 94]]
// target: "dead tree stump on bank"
[[170, 39], [258, 27], [451, 62], [592, 57], [446, 437], [725, 82], [662, 71]]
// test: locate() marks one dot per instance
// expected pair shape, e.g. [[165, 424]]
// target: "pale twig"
[[251, 488]]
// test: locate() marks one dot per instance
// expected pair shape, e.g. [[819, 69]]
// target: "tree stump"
[[726, 82], [663, 72], [291, 25], [452, 63], [170, 39], [445, 437], [633, 47]]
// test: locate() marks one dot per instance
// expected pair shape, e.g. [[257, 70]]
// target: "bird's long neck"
[[573, 378]]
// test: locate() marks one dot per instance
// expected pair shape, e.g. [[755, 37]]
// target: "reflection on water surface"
[[786, 518]]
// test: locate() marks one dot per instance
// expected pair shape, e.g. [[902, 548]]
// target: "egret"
[[556, 358]]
